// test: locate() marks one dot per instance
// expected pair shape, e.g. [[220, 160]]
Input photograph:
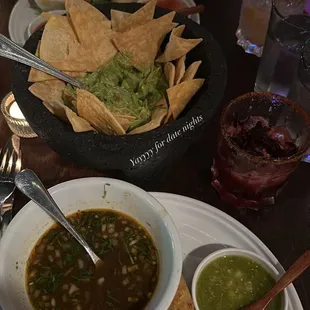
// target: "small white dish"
[[48, 5], [31, 222], [21, 15], [204, 229], [39, 20], [237, 252]]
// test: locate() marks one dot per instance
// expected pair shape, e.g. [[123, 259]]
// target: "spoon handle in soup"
[[30, 185], [302, 263], [11, 50]]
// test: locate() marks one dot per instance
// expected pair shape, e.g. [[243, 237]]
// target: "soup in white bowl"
[[31, 223]]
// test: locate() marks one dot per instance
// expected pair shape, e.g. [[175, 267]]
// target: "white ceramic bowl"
[[39, 20], [31, 222], [48, 5], [240, 252]]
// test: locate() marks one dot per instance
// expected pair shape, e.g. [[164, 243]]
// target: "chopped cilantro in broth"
[[60, 274], [232, 282]]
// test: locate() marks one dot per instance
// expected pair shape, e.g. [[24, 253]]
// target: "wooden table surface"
[[284, 227]]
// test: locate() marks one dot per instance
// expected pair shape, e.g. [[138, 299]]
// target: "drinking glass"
[[252, 177], [253, 25], [288, 29], [300, 90]]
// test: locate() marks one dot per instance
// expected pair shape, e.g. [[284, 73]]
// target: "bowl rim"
[[206, 102], [265, 263], [40, 20], [123, 186], [58, 6]]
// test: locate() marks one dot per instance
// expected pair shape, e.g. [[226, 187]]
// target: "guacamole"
[[232, 282], [125, 90]]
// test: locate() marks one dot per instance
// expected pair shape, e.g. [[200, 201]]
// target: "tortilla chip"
[[37, 53], [94, 35], [33, 74], [179, 70], [48, 91], [117, 17], [68, 96], [178, 31], [46, 15], [169, 71], [159, 113], [141, 44], [78, 17], [168, 118], [140, 17], [78, 124], [182, 300], [124, 120], [58, 109], [57, 37], [180, 95], [73, 102], [177, 47], [85, 7], [40, 76], [191, 71], [97, 114], [174, 25], [60, 47]]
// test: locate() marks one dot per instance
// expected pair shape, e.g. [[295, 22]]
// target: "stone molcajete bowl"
[[139, 156]]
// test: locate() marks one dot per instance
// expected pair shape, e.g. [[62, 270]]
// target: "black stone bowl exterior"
[[144, 155]]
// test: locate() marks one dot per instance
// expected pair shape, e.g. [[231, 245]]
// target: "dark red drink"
[[263, 138]]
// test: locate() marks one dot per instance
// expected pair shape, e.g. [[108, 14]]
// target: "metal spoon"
[[11, 50], [302, 263], [30, 185]]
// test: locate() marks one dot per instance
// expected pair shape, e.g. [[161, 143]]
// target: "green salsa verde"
[[124, 89], [232, 282]]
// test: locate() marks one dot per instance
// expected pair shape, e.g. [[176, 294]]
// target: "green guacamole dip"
[[125, 90], [232, 282]]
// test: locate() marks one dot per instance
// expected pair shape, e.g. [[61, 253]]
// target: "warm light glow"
[[15, 111]]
